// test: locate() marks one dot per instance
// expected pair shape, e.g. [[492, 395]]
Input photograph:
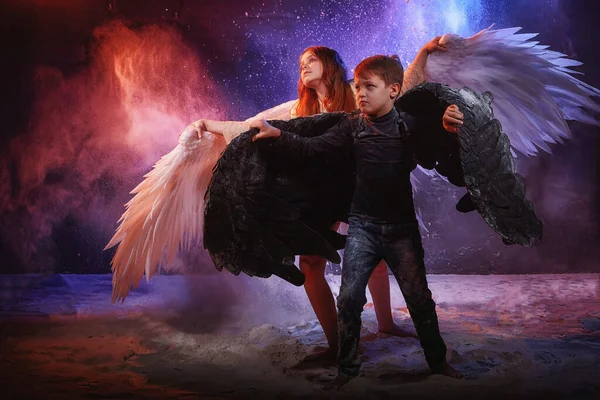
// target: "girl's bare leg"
[[322, 301], [379, 286]]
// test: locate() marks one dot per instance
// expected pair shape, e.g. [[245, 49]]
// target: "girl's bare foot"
[[446, 370], [321, 355], [395, 330]]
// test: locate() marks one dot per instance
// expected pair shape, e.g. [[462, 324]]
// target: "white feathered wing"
[[166, 212], [534, 90]]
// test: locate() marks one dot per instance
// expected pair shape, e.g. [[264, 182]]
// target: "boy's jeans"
[[399, 244]]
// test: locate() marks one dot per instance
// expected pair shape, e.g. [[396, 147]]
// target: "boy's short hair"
[[388, 68]]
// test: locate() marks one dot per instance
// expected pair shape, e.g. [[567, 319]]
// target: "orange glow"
[[104, 125]]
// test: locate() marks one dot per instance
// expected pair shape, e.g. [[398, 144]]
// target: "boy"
[[382, 222]]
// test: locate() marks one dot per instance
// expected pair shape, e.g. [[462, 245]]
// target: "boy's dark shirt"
[[382, 161]]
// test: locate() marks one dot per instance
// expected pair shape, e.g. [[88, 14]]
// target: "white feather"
[[165, 212], [534, 90]]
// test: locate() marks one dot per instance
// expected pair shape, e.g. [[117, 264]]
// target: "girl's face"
[[311, 70]]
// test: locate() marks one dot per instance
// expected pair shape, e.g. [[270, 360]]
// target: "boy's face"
[[373, 97]]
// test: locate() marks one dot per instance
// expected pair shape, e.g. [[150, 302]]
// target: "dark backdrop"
[[76, 136]]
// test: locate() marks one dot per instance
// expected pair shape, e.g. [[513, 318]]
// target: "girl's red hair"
[[340, 96]]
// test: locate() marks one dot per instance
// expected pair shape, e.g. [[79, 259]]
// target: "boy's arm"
[[435, 141], [332, 143], [451, 120]]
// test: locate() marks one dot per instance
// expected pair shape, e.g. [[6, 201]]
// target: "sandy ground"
[[220, 336]]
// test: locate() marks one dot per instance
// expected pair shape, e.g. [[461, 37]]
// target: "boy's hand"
[[452, 119], [266, 130], [434, 45]]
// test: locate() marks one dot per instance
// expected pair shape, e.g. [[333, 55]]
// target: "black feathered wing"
[[262, 209], [479, 158]]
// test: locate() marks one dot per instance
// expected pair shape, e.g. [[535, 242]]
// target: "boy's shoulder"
[[350, 122]]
